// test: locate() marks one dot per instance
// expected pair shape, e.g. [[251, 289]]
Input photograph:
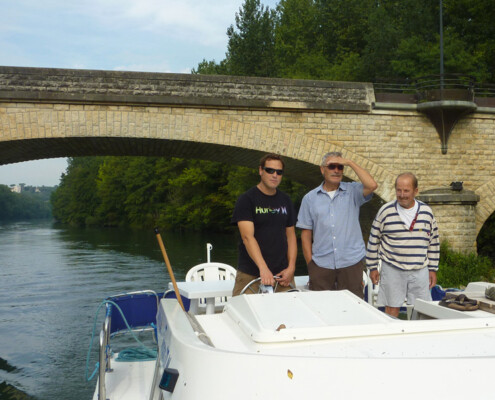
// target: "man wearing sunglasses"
[[331, 237], [265, 217]]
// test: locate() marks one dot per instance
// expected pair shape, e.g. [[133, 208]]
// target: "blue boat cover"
[[140, 310]]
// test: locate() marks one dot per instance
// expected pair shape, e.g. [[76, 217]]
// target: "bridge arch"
[[486, 207], [67, 131]]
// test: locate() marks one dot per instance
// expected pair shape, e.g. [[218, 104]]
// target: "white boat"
[[303, 344]]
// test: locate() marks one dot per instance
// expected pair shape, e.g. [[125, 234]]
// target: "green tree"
[[76, 197], [166, 169], [171, 193], [404, 41], [382, 40], [238, 180], [343, 25], [299, 45], [23, 206], [250, 49], [111, 192], [359, 40], [191, 199], [140, 185], [6, 203], [211, 68], [472, 20]]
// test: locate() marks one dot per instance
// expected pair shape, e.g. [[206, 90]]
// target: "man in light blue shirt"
[[331, 237]]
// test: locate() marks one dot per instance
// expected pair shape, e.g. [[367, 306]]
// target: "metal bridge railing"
[[444, 81], [484, 90], [437, 87]]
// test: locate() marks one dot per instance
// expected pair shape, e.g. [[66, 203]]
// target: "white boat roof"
[[302, 315], [338, 324], [330, 344]]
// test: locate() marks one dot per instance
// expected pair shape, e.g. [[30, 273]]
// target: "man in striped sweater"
[[404, 236]]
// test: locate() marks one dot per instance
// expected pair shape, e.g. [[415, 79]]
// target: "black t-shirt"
[[271, 216]]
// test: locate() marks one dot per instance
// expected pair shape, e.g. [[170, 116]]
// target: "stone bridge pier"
[[46, 113], [455, 211]]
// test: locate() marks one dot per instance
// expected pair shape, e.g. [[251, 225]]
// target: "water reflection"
[[184, 249]]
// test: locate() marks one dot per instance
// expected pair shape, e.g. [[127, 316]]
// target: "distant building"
[[16, 188]]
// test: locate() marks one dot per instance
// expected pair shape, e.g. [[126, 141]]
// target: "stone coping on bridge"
[[449, 196], [24, 84]]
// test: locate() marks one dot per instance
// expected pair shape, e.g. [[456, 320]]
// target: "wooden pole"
[[169, 268]]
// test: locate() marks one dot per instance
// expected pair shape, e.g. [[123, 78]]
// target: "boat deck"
[[330, 324], [128, 380], [298, 345]]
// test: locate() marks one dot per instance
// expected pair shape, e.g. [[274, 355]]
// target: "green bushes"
[[458, 269]]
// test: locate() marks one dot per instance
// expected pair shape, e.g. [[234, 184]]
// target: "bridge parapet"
[[143, 88]]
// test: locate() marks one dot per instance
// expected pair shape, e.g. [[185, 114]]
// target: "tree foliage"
[[75, 200], [250, 49], [359, 40], [458, 269], [25, 205], [172, 193]]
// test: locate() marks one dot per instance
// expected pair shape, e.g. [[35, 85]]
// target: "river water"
[[52, 280]]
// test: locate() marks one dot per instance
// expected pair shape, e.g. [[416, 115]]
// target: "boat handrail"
[[104, 336], [106, 329]]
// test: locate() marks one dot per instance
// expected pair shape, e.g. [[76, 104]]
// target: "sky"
[[115, 35]]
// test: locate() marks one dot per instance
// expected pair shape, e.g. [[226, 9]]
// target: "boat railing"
[[103, 360], [138, 310]]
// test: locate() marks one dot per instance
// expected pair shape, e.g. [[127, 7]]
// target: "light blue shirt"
[[337, 238]]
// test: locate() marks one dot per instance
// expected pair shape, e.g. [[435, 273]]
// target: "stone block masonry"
[[58, 113], [89, 86]]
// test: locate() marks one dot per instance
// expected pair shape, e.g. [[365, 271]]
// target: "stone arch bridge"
[[46, 113]]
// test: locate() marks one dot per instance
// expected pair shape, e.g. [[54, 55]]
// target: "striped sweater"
[[391, 240]]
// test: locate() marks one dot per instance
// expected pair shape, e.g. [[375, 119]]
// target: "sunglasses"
[[273, 170], [340, 167]]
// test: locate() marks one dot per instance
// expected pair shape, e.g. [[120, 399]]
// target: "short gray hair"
[[330, 154]]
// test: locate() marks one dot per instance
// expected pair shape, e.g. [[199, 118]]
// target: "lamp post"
[[441, 45]]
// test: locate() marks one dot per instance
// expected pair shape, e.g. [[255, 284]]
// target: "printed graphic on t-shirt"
[[270, 210]]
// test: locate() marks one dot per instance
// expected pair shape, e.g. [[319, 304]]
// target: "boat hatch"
[[302, 315]]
